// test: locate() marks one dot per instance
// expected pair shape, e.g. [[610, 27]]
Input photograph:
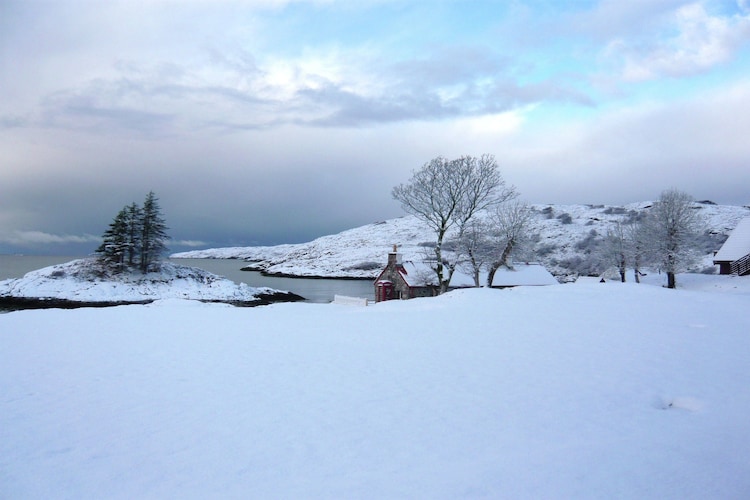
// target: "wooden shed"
[[734, 255]]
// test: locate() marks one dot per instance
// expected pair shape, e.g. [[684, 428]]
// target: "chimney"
[[394, 258]]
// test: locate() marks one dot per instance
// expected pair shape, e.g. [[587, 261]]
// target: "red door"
[[385, 291]]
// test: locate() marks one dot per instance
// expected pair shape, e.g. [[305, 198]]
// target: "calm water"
[[314, 290]]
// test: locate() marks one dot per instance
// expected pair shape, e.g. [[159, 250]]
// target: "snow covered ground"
[[567, 391]]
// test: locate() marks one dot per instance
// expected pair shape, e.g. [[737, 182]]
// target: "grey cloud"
[[350, 109], [159, 100], [33, 238], [13, 121]]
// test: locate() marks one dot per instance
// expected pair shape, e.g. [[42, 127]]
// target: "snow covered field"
[[568, 391]]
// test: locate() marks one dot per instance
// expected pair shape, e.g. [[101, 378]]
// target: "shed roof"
[[737, 245]]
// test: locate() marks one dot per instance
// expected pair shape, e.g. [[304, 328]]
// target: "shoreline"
[[11, 304], [304, 277]]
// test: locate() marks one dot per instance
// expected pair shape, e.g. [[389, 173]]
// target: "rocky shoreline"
[[9, 304], [276, 274]]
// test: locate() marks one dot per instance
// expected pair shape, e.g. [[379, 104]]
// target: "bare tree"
[[615, 248], [508, 227], [672, 227], [447, 194], [636, 245], [474, 248]]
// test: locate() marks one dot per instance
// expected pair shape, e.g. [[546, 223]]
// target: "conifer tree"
[[136, 237], [153, 232], [134, 221], [115, 244]]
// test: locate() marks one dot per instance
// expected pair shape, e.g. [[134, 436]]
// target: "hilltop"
[[565, 240]]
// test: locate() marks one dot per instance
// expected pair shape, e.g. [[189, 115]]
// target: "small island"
[[89, 283], [127, 269]]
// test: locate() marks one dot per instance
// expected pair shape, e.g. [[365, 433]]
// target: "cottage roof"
[[523, 275], [737, 245], [422, 274]]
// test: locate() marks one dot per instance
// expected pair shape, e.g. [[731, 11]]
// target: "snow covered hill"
[[85, 281], [565, 239]]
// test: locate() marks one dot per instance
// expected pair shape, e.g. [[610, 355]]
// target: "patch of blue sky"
[[398, 29]]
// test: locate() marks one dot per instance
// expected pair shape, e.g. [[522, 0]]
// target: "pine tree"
[[136, 237], [134, 221], [114, 246], [153, 232]]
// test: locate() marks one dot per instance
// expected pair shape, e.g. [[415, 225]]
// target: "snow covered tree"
[[134, 219], [136, 237], [114, 245], [615, 249], [636, 245], [153, 232], [447, 194], [474, 247], [672, 227], [507, 234]]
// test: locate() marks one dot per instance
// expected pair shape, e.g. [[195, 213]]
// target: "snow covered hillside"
[[565, 239], [86, 281], [567, 391]]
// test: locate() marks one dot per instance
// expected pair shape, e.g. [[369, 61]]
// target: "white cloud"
[[696, 41], [189, 243]]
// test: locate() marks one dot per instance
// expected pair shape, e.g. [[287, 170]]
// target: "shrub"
[[565, 218], [545, 249], [589, 243], [365, 266], [614, 211]]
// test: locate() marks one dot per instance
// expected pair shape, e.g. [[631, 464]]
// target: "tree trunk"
[[637, 270], [671, 282], [439, 260], [491, 274]]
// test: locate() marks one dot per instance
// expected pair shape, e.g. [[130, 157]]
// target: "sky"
[[278, 121]]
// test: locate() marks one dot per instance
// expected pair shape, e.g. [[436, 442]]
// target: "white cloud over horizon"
[[279, 121]]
